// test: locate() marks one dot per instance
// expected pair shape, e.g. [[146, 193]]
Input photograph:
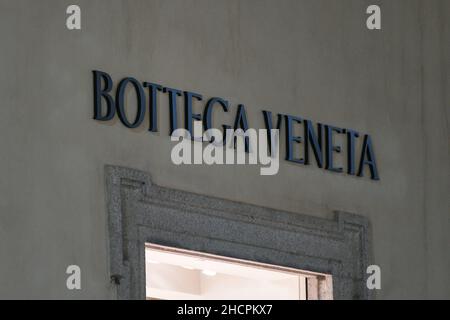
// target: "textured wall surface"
[[314, 59]]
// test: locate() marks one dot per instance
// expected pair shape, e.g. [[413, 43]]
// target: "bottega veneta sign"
[[317, 140]]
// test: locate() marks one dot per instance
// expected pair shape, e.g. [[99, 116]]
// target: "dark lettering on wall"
[[241, 122], [368, 158], [316, 139], [152, 105], [207, 114], [290, 139], [189, 116], [120, 102], [329, 130], [173, 94], [269, 126], [100, 93], [351, 137]]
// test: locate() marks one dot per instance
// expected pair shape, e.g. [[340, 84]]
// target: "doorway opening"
[[173, 273]]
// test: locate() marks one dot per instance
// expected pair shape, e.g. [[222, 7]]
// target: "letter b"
[[99, 93]]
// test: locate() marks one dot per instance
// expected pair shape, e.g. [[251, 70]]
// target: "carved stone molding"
[[140, 211]]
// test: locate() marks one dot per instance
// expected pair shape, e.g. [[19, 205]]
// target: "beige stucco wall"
[[314, 59]]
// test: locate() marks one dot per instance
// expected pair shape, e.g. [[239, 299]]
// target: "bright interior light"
[[209, 273], [188, 267], [153, 261], [188, 275]]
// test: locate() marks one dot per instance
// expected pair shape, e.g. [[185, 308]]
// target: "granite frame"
[[140, 211]]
